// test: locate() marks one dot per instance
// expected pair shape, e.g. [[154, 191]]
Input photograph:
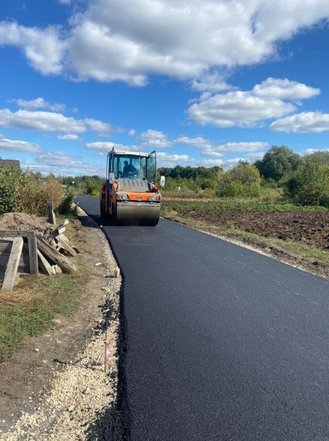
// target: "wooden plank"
[[44, 264], [65, 246], [55, 257], [11, 270], [30, 235], [33, 254], [51, 214]]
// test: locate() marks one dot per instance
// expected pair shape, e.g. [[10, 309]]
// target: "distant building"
[[14, 163]]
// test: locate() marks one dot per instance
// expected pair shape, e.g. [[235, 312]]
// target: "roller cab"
[[130, 194]]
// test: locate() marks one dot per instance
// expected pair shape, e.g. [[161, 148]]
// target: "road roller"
[[130, 194]]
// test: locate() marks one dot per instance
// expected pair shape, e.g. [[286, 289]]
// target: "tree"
[[310, 185], [278, 163], [318, 157], [242, 181]]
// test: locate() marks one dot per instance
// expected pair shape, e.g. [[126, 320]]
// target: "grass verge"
[[33, 307]]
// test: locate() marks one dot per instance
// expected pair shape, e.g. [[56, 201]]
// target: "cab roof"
[[125, 152]]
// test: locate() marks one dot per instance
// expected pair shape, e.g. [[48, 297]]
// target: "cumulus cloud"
[[166, 160], [68, 137], [49, 122], [198, 141], [154, 138], [60, 163], [232, 147], [105, 146], [284, 89], [19, 146], [39, 103], [43, 48], [211, 162], [210, 82], [272, 98], [109, 41], [311, 151], [305, 122]]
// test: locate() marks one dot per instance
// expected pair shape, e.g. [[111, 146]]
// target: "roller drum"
[[137, 214]]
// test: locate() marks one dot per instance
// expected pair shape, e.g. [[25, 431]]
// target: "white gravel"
[[82, 392]]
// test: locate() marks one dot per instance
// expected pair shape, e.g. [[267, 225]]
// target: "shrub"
[[310, 185], [66, 206], [8, 199], [28, 192], [242, 181], [36, 192], [10, 182]]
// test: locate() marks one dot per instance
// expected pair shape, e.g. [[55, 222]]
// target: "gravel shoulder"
[[55, 387]]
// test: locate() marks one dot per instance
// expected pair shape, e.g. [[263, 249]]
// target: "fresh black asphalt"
[[222, 343]]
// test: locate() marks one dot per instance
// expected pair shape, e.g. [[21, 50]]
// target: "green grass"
[[36, 303], [290, 246], [182, 205]]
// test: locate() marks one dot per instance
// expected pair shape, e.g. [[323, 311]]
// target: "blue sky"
[[203, 83]]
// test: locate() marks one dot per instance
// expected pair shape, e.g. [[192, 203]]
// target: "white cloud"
[[211, 162], [60, 163], [68, 137], [272, 98], [166, 160], [284, 89], [105, 146], [132, 132], [154, 138], [39, 103], [43, 48], [311, 151], [110, 41], [198, 141], [305, 122], [231, 147], [65, 2], [49, 122], [97, 126], [210, 82], [19, 146]]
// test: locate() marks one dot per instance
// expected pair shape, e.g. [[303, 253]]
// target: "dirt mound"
[[22, 221]]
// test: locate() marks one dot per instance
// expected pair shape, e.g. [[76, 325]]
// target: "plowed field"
[[308, 227]]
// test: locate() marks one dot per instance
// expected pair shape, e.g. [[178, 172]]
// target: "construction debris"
[[28, 244]]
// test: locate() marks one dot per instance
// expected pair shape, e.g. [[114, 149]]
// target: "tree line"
[[303, 179]]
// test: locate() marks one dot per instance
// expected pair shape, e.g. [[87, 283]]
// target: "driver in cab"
[[129, 169]]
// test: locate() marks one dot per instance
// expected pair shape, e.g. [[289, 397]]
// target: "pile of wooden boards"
[[30, 251]]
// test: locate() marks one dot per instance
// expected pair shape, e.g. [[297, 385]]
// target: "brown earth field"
[[299, 238], [311, 228]]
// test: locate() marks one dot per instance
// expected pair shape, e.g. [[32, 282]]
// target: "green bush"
[[36, 192], [28, 192], [10, 183], [66, 207], [8, 199], [310, 185], [242, 181]]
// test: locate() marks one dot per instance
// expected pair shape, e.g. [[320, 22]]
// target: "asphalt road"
[[222, 343]]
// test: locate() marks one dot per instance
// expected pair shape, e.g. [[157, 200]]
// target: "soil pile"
[[23, 222]]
